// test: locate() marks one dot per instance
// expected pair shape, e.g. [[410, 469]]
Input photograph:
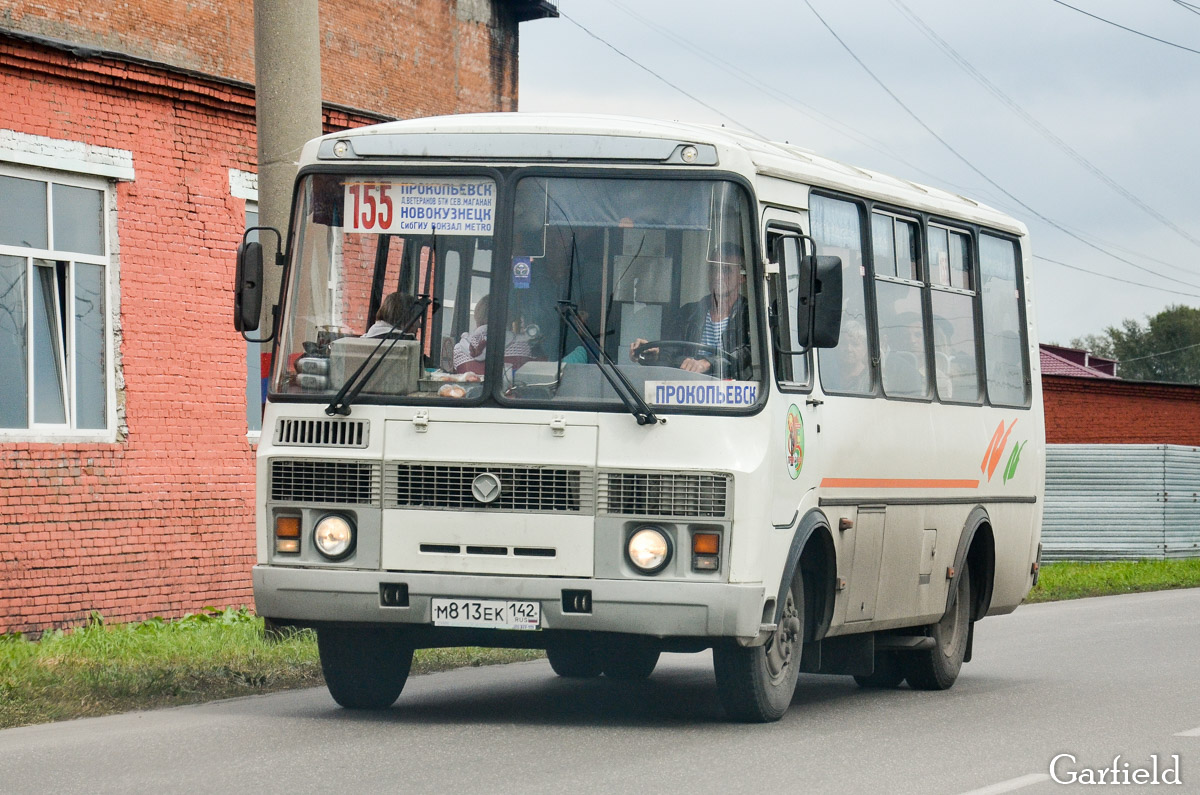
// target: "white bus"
[[612, 387]]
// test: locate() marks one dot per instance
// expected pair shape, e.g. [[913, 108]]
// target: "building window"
[[55, 337]]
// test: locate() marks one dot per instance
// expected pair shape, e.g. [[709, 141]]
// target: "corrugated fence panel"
[[1183, 502], [1104, 502]]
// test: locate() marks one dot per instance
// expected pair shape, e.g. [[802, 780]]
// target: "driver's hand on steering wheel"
[[696, 365], [633, 346]]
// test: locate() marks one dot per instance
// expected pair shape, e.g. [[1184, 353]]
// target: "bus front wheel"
[[756, 684], [364, 668], [937, 668]]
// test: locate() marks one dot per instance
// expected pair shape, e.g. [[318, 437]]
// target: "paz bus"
[[612, 387]]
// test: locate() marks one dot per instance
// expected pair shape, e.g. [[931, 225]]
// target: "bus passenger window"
[[837, 228], [894, 247], [955, 365], [898, 306], [1002, 347]]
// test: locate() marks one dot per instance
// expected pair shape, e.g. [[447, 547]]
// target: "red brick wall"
[[161, 521], [1097, 411], [404, 58]]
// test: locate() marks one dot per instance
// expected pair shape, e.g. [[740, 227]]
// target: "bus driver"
[[719, 320]]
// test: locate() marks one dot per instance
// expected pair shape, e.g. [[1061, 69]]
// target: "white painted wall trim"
[[62, 155], [243, 185]]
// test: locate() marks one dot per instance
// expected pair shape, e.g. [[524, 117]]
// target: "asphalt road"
[[1092, 678]]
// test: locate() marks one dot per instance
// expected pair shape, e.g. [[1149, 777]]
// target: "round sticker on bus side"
[[795, 441]]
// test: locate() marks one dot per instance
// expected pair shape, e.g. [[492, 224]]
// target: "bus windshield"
[[600, 278]]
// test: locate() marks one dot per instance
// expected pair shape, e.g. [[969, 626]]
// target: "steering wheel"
[[677, 350]]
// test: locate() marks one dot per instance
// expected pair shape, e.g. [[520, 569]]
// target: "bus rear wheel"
[[937, 668], [364, 667], [756, 684]]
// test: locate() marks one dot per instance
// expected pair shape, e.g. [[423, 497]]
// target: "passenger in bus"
[[904, 356], [393, 313], [471, 349], [847, 367], [721, 319]]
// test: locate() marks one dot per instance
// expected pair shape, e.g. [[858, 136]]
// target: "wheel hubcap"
[[781, 646]]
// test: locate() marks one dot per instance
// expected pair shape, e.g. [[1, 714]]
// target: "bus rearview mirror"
[[819, 318], [247, 286]]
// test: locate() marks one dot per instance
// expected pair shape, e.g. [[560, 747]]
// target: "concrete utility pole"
[[287, 72]]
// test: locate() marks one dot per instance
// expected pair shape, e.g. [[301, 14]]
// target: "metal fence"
[[1121, 502]]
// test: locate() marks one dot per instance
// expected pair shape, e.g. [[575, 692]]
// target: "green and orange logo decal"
[[995, 451], [795, 441]]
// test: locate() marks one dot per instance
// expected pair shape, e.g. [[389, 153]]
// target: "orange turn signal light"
[[287, 526], [706, 544]]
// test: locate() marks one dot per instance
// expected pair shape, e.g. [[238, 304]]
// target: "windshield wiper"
[[633, 401], [354, 384]]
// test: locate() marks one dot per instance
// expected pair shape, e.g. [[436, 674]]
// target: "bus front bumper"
[[642, 607]]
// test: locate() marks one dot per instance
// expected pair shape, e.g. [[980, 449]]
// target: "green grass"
[[101, 669], [1077, 580]]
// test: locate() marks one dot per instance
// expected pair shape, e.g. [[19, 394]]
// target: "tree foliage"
[[1166, 348]]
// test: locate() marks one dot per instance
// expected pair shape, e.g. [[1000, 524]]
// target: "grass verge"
[[1077, 580], [101, 669]]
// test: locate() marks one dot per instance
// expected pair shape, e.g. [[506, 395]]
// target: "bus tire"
[[937, 668], [364, 668], [756, 684], [574, 660], [630, 661], [887, 674]]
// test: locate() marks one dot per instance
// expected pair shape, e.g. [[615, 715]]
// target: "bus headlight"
[[334, 536], [649, 550]]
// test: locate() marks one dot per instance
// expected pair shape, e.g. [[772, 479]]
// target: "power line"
[[1187, 6], [1037, 125], [1115, 278], [642, 66], [1156, 355], [976, 169], [1122, 27]]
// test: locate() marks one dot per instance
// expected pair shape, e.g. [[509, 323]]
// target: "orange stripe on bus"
[[897, 483]]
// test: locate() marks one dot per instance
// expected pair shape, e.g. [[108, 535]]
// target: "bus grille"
[[321, 433], [702, 495], [341, 482], [523, 488]]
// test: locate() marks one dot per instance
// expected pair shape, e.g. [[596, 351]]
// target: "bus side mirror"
[[820, 317], [247, 286]]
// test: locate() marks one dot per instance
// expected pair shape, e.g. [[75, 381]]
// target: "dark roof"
[[525, 10], [1057, 360]]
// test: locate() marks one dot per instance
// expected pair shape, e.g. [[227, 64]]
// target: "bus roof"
[[558, 136]]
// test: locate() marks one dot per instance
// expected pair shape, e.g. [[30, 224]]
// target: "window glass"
[[939, 255], [78, 219], [792, 368], [906, 250], [837, 228], [49, 346], [901, 340], [960, 262], [883, 244], [954, 346], [1002, 337], [23, 213], [14, 354], [53, 327], [90, 393]]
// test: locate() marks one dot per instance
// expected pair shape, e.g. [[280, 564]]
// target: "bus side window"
[[900, 319], [953, 301], [785, 250], [837, 228], [1003, 350]]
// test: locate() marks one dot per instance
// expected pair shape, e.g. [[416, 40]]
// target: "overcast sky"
[[1127, 105]]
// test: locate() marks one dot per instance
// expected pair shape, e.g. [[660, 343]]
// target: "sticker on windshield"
[[448, 205], [729, 394], [522, 272]]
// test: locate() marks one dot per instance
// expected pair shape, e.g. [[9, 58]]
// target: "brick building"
[[1087, 403], [127, 174]]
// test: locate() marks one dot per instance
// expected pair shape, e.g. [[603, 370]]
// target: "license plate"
[[486, 614]]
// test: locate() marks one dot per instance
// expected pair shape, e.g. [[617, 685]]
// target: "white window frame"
[[43, 432]]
